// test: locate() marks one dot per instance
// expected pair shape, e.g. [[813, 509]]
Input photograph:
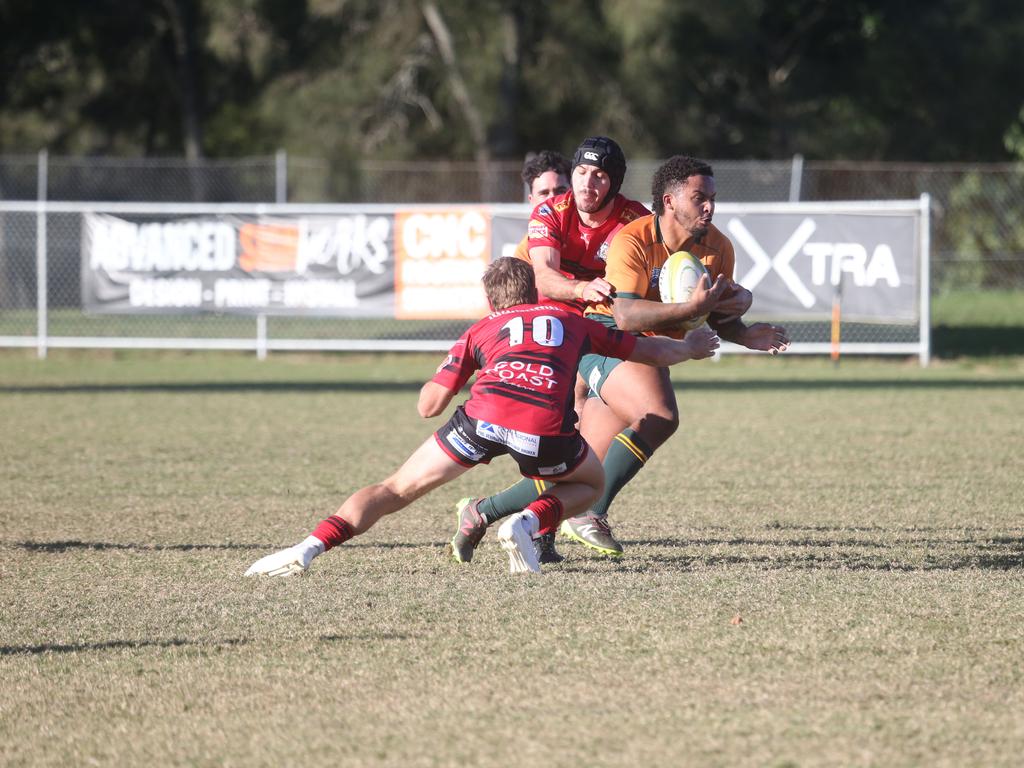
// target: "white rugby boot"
[[288, 562], [516, 537]]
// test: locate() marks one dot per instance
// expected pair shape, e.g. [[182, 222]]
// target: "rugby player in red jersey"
[[568, 238], [569, 234], [525, 355]]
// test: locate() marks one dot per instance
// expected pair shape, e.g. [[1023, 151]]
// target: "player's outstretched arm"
[[663, 351], [553, 284], [434, 398], [763, 337]]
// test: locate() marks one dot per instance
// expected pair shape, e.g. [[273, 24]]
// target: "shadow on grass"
[[175, 642], [107, 645], [414, 386], [881, 543], [216, 386], [837, 553], [71, 545], [842, 561], [896, 549]]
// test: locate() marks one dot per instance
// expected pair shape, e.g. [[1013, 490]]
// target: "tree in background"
[[421, 79]]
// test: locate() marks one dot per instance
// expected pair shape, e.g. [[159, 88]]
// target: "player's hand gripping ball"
[[679, 275]]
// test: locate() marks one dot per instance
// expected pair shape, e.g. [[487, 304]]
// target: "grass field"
[[864, 522]]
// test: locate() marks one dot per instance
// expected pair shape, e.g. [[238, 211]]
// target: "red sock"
[[333, 531], [548, 510]]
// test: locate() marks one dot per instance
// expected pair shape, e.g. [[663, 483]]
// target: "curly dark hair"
[[544, 161], [674, 171]]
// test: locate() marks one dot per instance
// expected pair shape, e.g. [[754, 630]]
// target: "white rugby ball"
[[678, 277]]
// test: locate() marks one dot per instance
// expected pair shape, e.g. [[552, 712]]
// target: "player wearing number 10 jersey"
[[526, 356]]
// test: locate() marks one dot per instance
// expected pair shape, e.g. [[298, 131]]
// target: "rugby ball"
[[678, 277]]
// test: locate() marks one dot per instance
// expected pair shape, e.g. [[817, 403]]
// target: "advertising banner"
[[426, 262], [795, 263], [313, 265], [440, 258]]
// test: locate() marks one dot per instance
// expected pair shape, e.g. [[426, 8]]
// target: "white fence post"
[[41, 281], [796, 175], [281, 177], [925, 310], [261, 336]]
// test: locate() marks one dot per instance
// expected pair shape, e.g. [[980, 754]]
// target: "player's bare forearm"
[[555, 285], [731, 329], [663, 351], [434, 398], [734, 301], [635, 315], [550, 281]]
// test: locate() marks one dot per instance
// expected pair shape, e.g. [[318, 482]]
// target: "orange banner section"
[[440, 256], [268, 247]]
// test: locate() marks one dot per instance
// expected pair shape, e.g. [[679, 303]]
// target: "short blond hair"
[[508, 282]]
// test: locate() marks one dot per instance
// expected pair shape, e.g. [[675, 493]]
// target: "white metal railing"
[[261, 342]]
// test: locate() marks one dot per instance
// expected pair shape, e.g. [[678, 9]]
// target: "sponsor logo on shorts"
[[520, 442], [536, 231], [465, 447], [524, 443], [555, 470], [488, 431], [594, 379]]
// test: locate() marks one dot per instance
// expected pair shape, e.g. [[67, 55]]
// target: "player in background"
[[525, 355], [546, 175], [635, 409], [568, 238]]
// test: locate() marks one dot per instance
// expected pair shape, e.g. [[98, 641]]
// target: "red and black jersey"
[[527, 358], [555, 223]]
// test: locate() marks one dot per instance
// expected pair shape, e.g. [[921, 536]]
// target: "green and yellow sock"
[[513, 499], [626, 456]]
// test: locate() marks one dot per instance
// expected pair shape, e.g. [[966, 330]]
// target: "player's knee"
[[657, 426]]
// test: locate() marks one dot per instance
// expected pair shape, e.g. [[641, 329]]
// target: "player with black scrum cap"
[[569, 234]]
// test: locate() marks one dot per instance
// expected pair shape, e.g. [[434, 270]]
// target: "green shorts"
[[595, 370]]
